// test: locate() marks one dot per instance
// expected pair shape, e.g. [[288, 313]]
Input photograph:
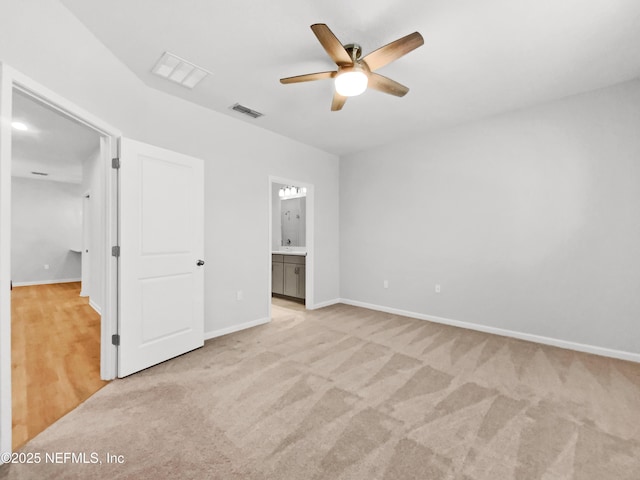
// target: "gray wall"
[[528, 221], [46, 223]]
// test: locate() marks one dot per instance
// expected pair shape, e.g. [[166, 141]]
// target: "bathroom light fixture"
[[290, 191], [179, 71], [19, 126]]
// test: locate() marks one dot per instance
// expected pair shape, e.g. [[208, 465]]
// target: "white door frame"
[[85, 261], [309, 234], [11, 79]]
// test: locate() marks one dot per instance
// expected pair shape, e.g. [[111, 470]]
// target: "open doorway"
[[290, 245], [15, 87], [141, 225], [55, 344]]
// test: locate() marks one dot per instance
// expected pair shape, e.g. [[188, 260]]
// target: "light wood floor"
[[288, 304], [55, 355]]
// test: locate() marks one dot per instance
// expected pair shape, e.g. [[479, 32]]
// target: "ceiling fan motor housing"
[[354, 50]]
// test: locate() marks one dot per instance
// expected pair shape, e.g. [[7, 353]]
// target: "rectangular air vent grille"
[[246, 111], [179, 70]]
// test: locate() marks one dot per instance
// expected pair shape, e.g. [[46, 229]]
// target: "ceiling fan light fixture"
[[353, 74], [352, 82]]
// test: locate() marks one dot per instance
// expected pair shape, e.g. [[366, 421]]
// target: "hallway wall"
[[46, 224]]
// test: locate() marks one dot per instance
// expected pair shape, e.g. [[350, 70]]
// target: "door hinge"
[[115, 163], [115, 251], [115, 340]]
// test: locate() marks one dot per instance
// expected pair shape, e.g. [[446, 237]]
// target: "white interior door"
[[161, 293]]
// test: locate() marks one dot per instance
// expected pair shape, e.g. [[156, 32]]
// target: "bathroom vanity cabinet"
[[288, 275]]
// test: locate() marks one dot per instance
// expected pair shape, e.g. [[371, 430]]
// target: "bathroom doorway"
[[291, 234]]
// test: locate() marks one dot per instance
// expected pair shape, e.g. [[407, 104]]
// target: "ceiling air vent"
[[246, 111], [40, 173], [179, 70]]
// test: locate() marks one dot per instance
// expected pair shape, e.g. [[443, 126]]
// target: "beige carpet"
[[348, 393]]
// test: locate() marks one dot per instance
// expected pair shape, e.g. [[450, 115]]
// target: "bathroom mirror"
[[289, 216]]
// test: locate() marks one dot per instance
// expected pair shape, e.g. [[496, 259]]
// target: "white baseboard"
[[95, 307], [328, 303], [235, 328], [580, 347], [46, 282]]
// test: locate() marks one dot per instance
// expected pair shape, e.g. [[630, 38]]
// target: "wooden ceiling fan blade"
[[392, 51], [338, 102], [386, 85], [331, 44], [309, 77]]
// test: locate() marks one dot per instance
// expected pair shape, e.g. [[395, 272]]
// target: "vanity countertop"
[[289, 252]]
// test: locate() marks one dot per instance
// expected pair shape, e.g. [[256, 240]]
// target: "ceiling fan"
[[355, 74]]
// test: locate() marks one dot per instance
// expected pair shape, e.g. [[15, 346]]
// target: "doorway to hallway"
[[55, 355]]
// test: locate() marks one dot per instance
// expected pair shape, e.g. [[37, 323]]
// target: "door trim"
[[11, 79], [85, 290], [310, 236]]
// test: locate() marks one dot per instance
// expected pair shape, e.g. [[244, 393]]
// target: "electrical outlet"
[[438, 288], [385, 284], [46, 267], [239, 295]]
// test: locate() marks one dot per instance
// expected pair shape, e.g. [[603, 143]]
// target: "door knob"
[[200, 263]]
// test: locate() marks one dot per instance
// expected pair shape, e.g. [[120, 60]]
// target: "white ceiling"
[[479, 57], [53, 144]]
